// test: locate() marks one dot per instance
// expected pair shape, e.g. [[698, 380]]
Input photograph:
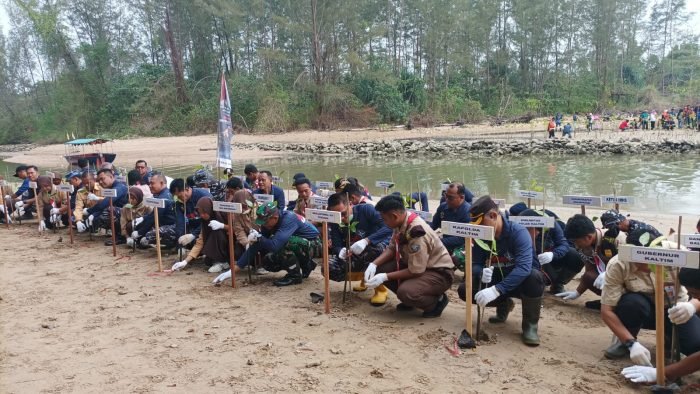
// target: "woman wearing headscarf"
[[213, 239], [50, 204], [132, 211]]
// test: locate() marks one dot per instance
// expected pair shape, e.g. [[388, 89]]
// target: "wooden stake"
[[349, 240], [583, 210], [659, 310], [6, 209], [70, 219], [468, 325], [675, 354], [231, 256], [326, 279], [111, 223], [39, 209], [160, 261], [528, 202]]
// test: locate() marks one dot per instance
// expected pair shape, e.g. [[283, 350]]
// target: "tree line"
[[152, 67]]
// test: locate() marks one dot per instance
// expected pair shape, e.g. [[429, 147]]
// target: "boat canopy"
[[88, 141]]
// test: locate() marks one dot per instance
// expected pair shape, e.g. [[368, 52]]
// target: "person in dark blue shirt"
[[369, 236], [98, 215], [508, 266], [287, 242], [187, 221], [251, 176], [266, 187], [454, 209], [145, 231], [144, 174]]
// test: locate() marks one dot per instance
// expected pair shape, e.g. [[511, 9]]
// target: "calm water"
[[664, 183]]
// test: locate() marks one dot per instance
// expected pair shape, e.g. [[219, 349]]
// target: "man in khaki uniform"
[[89, 195], [416, 265]]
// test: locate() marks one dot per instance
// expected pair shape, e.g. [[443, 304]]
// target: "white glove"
[[359, 246], [214, 225], [130, 242], [252, 237], [2, 208], [90, 219], [42, 226], [19, 204], [568, 295], [343, 254], [222, 277], [640, 374], [144, 241], [640, 355], [93, 197], [138, 221], [55, 211], [487, 295], [7, 196], [376, 280], [486, 275], [85, 212], [179, 265], [599, 281], [545, 258], [681, 313], [81, 227], [185, 239], [370, 271], [53, 218], [135, 235]]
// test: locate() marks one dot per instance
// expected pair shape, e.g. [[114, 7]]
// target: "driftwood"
[[497, 121]]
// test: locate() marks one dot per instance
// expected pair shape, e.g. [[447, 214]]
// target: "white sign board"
[[120, 178], [427, 216], [465, 230], [691, 240], [153, 202], [277, 179], [589, 201], [659, 256], [533, 221], [65, 188], [501, 202], [50, 175], [321, 215], [622, 200], [32, 185], [384, 184], [324, 185], [264, 198], [229, 207], [319, 201], [2, 183], [109, 192], [444, 186], [529, 194]]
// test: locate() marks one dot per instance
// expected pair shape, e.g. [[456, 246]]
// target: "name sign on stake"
[[319, 201], [120, 178], [154, 202], [501, 202], [467, 230], [277, 179], [530, 194], [65, 188], [264, 198], [32, 185], [533, 221], [322, 215], [384, 184], [444, 186], [2, 183], [109, 192], [659, 256], [324, 185], [622, 200], [228, 207], [427, 216], [589, 201], [692, 240]]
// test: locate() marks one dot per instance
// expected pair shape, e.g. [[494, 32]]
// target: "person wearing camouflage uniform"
[[287, 242], [369, 236]]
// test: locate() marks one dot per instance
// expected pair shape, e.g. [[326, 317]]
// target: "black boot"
[[293, 277], [307, 268], [503, 309], [558, 282], [531, 316]]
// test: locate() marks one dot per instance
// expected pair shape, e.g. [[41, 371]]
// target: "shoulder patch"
[[415, 248]]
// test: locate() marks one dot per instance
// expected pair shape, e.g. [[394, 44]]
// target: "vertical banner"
[[223, 151]]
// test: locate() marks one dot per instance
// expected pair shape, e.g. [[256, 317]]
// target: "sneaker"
[[437, 311], [218, 267], [261, 271], [616, 349]]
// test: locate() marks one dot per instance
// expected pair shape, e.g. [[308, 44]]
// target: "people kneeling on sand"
[[415, 265], [132, 211], [507, 269], [287, 242], [144, 233]]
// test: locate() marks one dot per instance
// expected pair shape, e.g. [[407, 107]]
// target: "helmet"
[[202, 177]]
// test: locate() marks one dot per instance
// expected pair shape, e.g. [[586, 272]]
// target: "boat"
[[80, 149]]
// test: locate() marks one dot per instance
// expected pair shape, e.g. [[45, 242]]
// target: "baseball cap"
[[481, 207], [265, 212], [73, 174], [611, 217]]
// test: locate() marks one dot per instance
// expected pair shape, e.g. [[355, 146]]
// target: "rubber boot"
[[531, 316], [503, 309], [293, 277], [558, 282], [358, 276], [380, 295]]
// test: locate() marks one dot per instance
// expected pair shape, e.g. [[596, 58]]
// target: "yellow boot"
[[379, 297], [355, 276]]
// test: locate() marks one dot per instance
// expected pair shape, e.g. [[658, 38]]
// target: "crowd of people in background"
[[385, 246]]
